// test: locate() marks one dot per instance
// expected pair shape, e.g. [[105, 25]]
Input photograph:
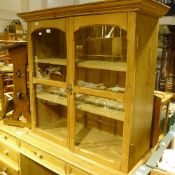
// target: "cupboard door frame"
[[34, 26], [119, 19]]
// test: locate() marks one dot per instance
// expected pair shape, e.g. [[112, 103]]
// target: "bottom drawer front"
[[7, 169], [44, 158], [8, 152]]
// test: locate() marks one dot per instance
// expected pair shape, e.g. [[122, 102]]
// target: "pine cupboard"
[[91, 70]]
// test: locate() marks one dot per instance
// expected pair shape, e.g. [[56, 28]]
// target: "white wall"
[[87, 1], [9, 8], [34, 5], [54, 3]]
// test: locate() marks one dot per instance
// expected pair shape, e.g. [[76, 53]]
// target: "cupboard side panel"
[[144, 86]]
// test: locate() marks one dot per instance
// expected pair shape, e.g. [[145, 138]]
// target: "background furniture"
[[21, 95], [6, 75], [160, 121], [15, 96]]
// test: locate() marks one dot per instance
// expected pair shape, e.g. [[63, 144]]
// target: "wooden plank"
[[52, 98], [110, 113], [105, 65], [49, 82], [55, 61]]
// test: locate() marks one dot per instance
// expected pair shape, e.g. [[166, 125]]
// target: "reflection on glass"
[[49, 51], [100, 54]]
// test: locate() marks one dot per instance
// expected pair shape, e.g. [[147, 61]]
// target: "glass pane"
[[99, 126], [52, 110], [100, 53], [49, 51]]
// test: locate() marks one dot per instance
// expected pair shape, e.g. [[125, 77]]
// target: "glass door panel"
[[100, 75], [49, 52], [99, 126], [51, 114], [100, 55]]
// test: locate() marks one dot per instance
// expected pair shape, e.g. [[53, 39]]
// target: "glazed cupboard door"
[[100, 60], [49, 78]]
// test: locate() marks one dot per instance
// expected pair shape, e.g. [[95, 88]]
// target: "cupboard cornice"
[[148, 7]]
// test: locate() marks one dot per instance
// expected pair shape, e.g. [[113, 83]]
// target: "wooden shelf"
[[110, 113], [52, 98], [55, 61], [97, 56], [105, 65], [100, 93]]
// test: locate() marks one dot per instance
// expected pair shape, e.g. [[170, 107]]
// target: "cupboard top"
[[149, 7]]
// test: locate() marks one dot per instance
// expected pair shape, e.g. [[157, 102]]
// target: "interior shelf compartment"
[[52, 98], [55, 61], [110, 113], [105, 65], [100, 145], [56, 124], [57, 129]]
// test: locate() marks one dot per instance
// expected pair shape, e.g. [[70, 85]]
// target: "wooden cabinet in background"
[[91, 73]]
